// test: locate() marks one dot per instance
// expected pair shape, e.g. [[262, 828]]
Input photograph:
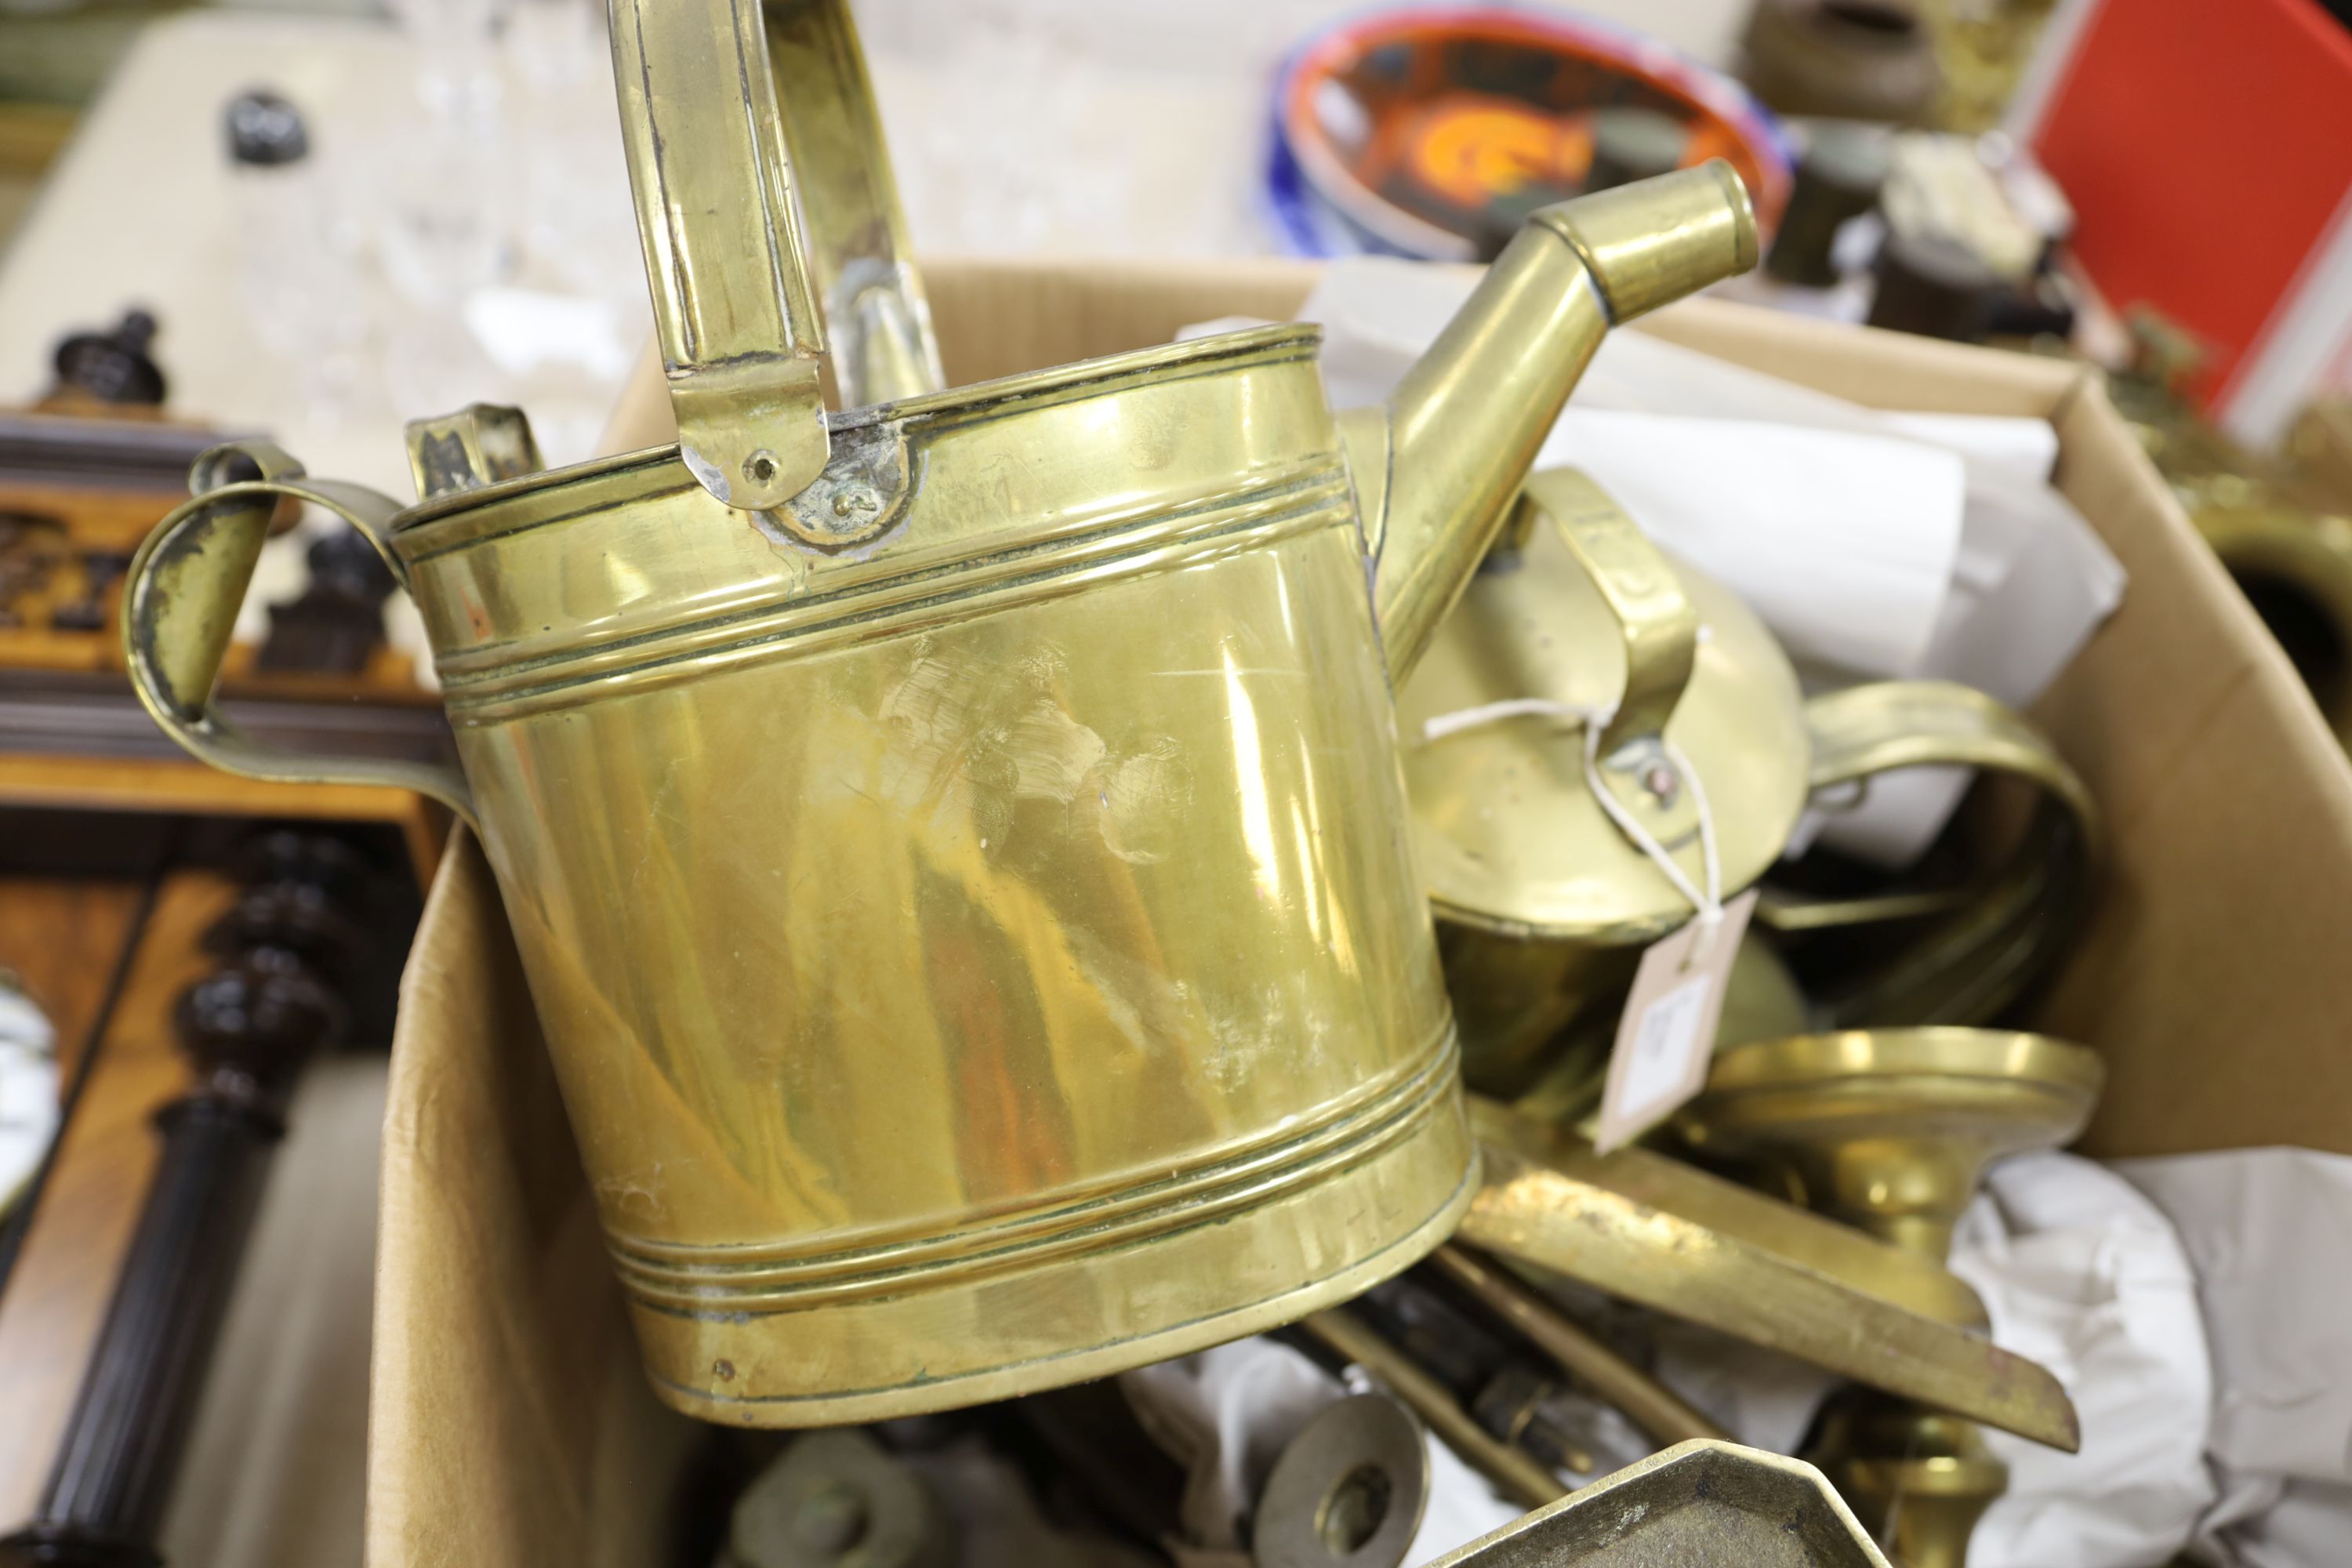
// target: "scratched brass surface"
[[1543, 901], [963, 880], [1891, 1129]]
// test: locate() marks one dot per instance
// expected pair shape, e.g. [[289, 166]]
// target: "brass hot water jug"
[[956, 845]]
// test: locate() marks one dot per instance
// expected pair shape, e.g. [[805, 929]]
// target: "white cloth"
[[1763, 1398], [2082, 1274], [29, 1089], [2294, 1525], [2269, 1234], [996, 1520]]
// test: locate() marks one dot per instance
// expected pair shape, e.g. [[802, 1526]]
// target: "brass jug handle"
[[733, 310], [1639, 585], [1996, 929], [876, 310], [180, 601]]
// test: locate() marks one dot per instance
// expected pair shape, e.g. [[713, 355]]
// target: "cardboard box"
[[510, 1424]]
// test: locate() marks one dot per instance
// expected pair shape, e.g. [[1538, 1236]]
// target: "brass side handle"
[[1879, 727], [1987, 937], [180, 602], [734, 311]]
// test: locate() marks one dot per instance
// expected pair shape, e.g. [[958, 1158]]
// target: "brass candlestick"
[[1892, 1130]]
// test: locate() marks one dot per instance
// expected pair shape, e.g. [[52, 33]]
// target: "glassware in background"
[[574, 225], [444, 232], [445, 200], [298, 269], [1029, 126]]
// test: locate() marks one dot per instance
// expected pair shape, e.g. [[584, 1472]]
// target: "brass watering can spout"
[[1437, 468]]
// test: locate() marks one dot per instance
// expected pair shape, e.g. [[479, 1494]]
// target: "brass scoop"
[[1666, 1235]]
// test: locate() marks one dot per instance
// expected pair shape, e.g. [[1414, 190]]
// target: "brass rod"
[[1518, 1474], [1649, 1404]]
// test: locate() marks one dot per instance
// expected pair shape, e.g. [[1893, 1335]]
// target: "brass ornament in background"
[[2294, 563], [1981, 48], [1664, 1234], [2281, 526], [1891, 1129], [1697, 1502], [1842, 59], [1543, 902], [1040, 986], [1968, 949], [2319, 450]]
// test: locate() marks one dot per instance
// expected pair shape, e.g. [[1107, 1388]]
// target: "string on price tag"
[[1665, 1036]]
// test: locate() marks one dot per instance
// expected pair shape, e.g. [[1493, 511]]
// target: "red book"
[[2207, 148]]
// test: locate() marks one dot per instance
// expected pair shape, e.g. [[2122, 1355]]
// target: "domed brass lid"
[[1581, 613]]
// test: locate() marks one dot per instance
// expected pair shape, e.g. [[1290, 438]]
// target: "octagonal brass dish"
[[1703, 1501]]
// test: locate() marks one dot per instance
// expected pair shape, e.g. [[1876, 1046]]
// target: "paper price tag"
[[1668, 1033]]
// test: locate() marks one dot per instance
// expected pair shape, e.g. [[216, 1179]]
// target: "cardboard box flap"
[[501, 1343]]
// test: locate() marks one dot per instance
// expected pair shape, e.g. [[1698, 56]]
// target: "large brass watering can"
[[956, 845]]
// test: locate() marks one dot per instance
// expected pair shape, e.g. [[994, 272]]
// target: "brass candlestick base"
[[1891, 1129], [1918, 1481]]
